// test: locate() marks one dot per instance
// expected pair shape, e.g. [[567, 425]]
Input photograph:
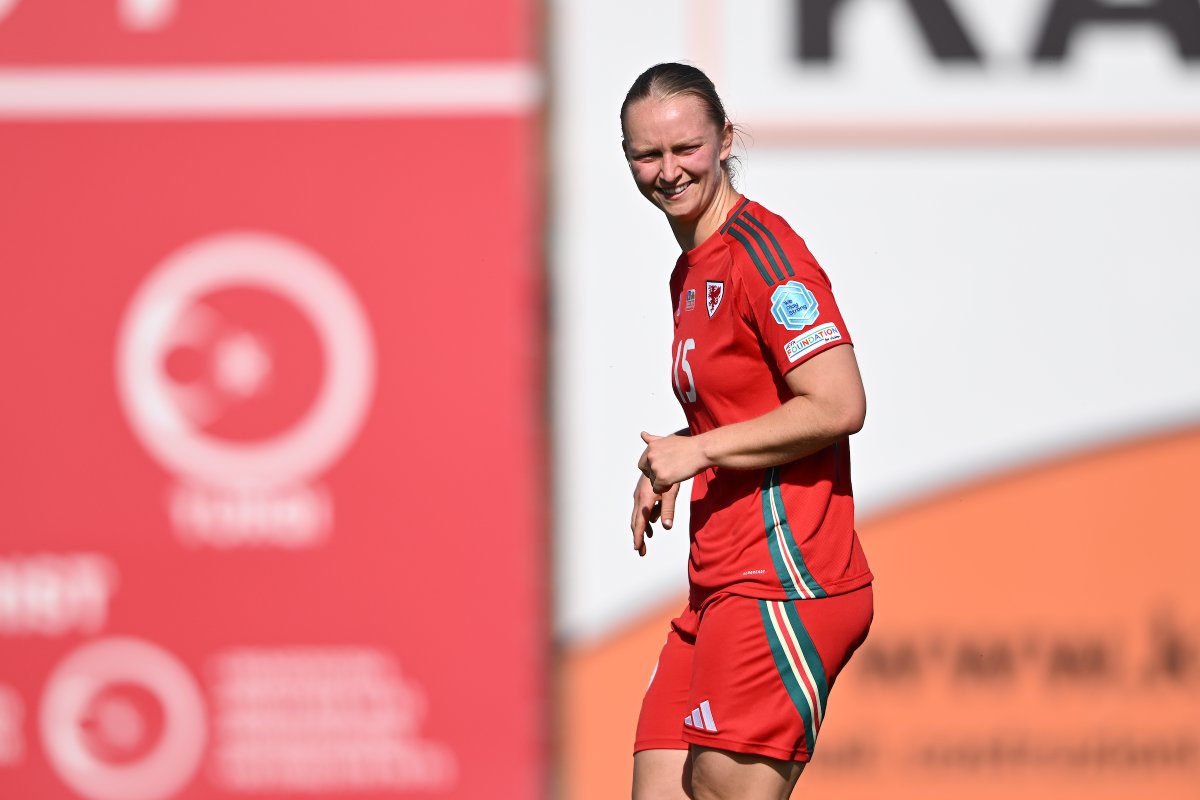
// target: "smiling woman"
[[780, 591], [677, 140]]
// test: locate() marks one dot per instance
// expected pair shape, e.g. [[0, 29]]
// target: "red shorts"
[[750, 675]]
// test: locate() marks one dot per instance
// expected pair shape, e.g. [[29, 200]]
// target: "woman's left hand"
[[670, 459]]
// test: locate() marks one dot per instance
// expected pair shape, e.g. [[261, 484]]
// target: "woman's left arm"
[[829, 404]]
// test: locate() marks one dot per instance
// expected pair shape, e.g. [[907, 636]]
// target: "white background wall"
[[1007, 302]]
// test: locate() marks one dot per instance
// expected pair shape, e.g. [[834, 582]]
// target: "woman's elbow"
[[853, 416]]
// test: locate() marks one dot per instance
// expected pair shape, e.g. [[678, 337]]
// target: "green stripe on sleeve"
[[774, 266], [745, 202], [757, 261], [774, 242]]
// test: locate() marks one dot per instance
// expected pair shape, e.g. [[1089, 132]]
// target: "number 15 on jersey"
[[681, 360]]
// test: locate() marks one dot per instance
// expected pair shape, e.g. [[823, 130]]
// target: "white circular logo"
[[168, 304], [106, 747]]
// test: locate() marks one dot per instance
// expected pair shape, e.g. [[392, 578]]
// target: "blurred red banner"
[[52, 32], [270, 430]]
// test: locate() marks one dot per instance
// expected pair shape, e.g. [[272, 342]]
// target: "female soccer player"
[[780, 591]]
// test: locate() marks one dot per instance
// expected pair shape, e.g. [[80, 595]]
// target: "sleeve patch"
[[794, 306], [807, 342]]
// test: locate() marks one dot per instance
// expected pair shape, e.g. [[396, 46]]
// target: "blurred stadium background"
[[329, 328]]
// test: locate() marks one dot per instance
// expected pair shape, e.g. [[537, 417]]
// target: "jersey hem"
[[659, 744], [755, 592], [748, 748]]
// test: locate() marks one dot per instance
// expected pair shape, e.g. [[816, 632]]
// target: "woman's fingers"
[[650, 506], [666, 506], [639, 522]]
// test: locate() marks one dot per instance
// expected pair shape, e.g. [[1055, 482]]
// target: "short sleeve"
[[787, 298]]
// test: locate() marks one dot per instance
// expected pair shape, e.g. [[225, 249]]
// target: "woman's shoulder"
[[757, 216], [765, 248]]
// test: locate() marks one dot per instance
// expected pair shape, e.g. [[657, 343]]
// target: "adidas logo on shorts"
[[701, 718]]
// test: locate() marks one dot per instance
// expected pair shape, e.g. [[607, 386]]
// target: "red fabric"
[[722, 656], [729, 358]]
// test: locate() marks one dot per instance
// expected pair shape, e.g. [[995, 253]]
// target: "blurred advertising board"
[[955, 71], [270, 425]]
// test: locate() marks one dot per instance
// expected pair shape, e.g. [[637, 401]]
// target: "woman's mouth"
[[673, 193]]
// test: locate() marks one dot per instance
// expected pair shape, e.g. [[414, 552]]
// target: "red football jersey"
[[752, 303]]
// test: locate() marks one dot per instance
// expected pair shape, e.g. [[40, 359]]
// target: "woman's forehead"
[[681, 114]]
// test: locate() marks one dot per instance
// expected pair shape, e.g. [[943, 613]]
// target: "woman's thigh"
[[661, 769], [661, 775], [724, 775]]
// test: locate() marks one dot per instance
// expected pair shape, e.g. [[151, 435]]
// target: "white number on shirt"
[[681, 352]]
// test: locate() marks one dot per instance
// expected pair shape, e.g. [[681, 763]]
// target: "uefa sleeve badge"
[[794, 306]]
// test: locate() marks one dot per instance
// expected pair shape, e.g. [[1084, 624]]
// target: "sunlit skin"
[[675, 153]]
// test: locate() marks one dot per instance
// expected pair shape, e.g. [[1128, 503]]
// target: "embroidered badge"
[[714, 292], [794, 306], [691, 299]]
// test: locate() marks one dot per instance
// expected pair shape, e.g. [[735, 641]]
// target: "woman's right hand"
[[650, 507]]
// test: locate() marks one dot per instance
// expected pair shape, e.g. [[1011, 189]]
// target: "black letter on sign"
[[943, 31], [1178, 18]]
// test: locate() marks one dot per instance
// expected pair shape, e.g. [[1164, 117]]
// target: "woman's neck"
[[691, 233]]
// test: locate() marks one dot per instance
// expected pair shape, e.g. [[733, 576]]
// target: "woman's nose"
[[670, 168]]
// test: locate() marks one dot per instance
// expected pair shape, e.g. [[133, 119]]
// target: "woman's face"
[[675, 153]]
